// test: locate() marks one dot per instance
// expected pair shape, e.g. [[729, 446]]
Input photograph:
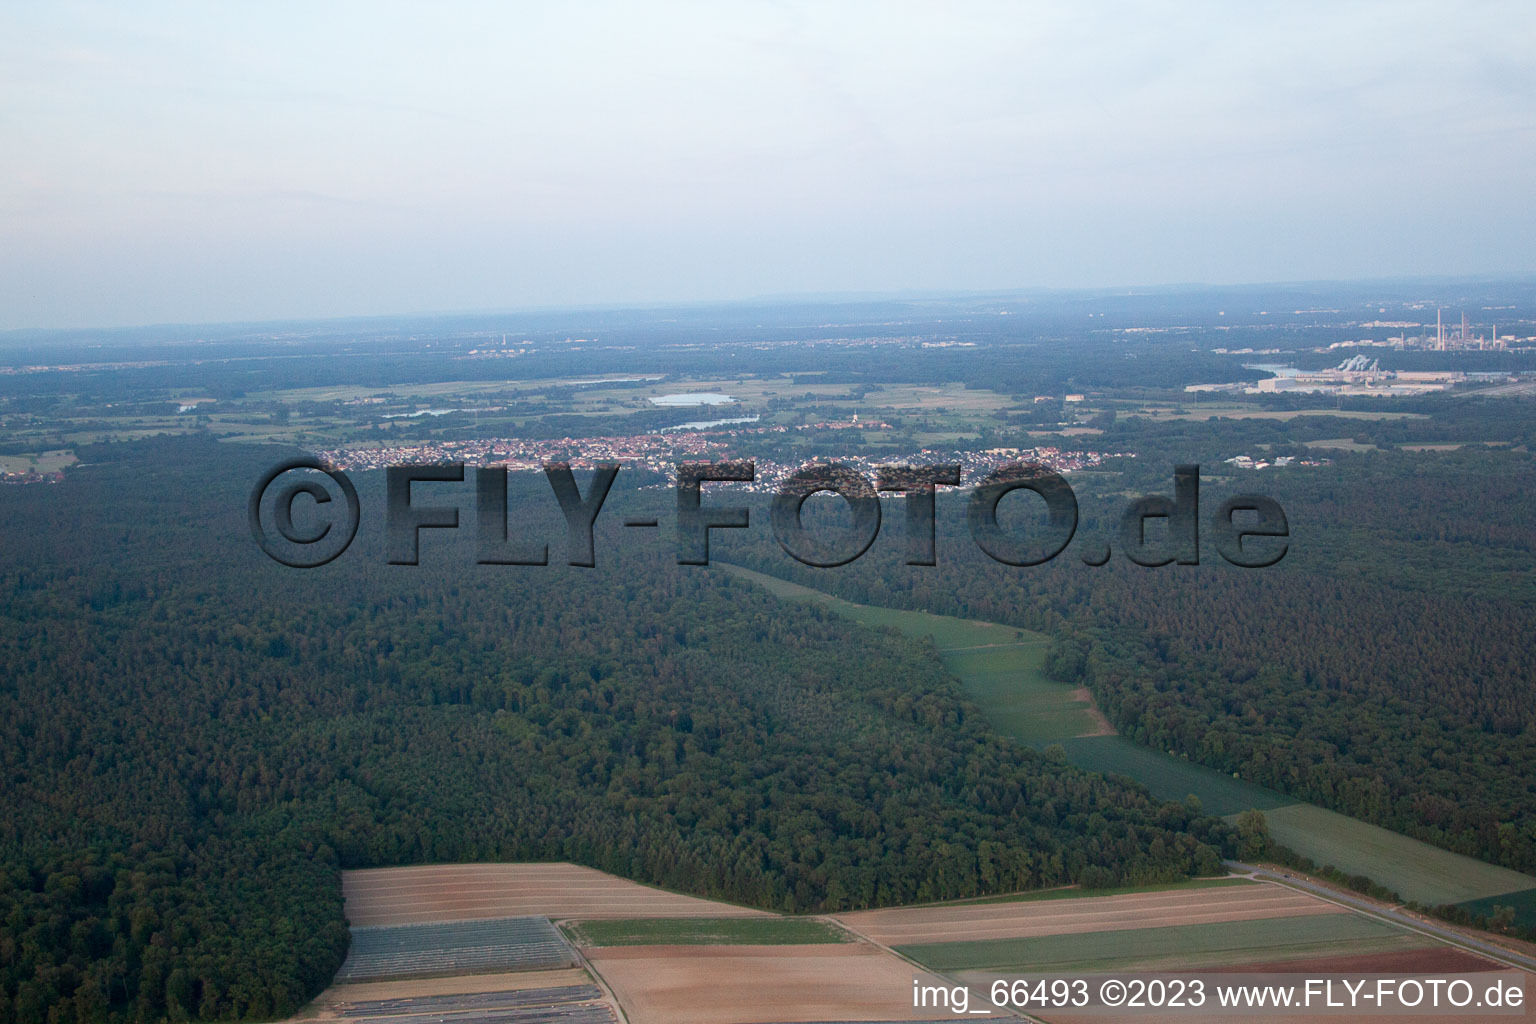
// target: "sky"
[[170, 162]]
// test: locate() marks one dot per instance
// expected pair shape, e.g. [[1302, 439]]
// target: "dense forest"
[[196, 740], [1382, 669]]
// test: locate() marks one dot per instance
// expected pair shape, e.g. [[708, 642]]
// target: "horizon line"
[[831, 297]]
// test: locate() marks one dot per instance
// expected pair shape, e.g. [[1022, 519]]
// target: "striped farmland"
[[436, 1005], [558, 1013], [569, 996], [456, 947]]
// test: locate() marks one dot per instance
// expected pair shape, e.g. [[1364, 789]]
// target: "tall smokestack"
[[1439, 332]]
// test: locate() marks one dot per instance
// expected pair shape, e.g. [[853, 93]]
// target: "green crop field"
[[1171, 778], [1523, 902], [1415, 870], [705, 931], [43, 462], [946, 631], [1018, 699], [1186, 945], [999, 666]]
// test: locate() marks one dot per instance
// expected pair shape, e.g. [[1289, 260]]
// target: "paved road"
[[1364, 906]]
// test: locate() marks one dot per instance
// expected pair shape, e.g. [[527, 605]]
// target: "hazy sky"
[[186, 162]]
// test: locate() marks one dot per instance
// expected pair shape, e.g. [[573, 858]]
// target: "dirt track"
[[453, 892], [906, 926], [1102, 726]]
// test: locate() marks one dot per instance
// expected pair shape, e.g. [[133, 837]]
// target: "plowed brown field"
[[747, 984], [455, 892], [1026, 919]]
